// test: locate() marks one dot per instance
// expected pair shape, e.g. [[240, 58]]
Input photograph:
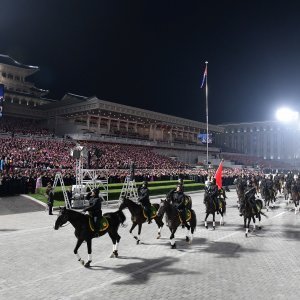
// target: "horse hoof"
[[135, 237], [187, 239], [173, 246], [158, 236], [137, 242], [246, 234], [206, 227], [88, 264], [214, 227], [115, 253], [259, 227]]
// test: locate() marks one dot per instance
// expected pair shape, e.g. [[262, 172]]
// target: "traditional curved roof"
[[7, 60]]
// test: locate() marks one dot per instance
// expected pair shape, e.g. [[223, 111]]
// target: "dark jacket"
[[143, 193], [94, 206]]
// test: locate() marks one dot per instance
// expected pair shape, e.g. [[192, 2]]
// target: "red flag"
[[218, 175]]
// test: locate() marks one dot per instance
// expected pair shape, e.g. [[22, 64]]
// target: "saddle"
[[103, 224], [188, 216], [153, 212]]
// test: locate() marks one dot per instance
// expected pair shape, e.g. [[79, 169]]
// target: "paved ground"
[[38, 262]]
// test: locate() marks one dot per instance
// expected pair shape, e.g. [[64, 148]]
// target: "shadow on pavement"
[[140, 272], [227, 249]]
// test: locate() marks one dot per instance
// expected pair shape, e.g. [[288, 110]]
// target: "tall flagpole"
[[206, 96]]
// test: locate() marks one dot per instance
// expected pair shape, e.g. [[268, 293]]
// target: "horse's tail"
[[193, 220], [262, 213], [224, 207], [260, 203], [116, 217]]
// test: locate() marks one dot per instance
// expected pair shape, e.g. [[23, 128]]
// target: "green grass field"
[[114, 190]]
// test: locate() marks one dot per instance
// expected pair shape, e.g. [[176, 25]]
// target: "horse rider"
[[180, 182], [50, 196], [270, 186], [250, 197], [212, 191], [143, 199], [94, 208], [177, 198]]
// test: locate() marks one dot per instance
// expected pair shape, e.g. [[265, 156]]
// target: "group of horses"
[[84, 232], [289, 190]]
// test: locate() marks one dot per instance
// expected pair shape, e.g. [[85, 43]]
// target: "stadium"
[[38, 133], [149, 150]]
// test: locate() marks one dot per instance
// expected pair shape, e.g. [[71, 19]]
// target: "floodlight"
[[285, 114]]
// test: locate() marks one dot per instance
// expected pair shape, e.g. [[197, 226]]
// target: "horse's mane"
[[79, 215], [133, 202]]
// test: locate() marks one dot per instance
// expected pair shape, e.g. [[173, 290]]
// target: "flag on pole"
[[204, 76], [218, 175]]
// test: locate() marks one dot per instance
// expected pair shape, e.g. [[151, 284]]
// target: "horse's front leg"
[[78, 244], [160, 224], [254, 225], [115, 238], [89, 247], [131, 229], [205, 220], [138, 240], [259, 219], [221, 219], [247, 227], [172, 238]]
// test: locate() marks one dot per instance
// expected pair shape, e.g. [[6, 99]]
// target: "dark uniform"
[[178, 200], [250, 197], [95, 210], [212, 191], [143, 193], [50, 196]]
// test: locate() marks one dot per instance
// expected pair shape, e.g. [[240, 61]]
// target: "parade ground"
[[37, 262]]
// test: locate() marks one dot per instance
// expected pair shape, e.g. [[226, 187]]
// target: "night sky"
[[151, 54]]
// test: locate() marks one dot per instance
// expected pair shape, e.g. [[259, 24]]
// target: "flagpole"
[[206, 96]]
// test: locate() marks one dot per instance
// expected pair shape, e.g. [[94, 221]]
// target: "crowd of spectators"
[[30, 157], [253, 161], [26, 127]]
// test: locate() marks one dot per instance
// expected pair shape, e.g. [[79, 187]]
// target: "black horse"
[[173, 220], [84, 231], [249, 214], [138, 217], [295, 196], [211, 209], [269, 197]]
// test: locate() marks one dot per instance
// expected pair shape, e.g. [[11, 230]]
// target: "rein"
[[68, 223]]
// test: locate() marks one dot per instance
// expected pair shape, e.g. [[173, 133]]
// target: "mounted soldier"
[[144, 200], [94, 209], [177, 198], [249, 197], [211, 190]]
